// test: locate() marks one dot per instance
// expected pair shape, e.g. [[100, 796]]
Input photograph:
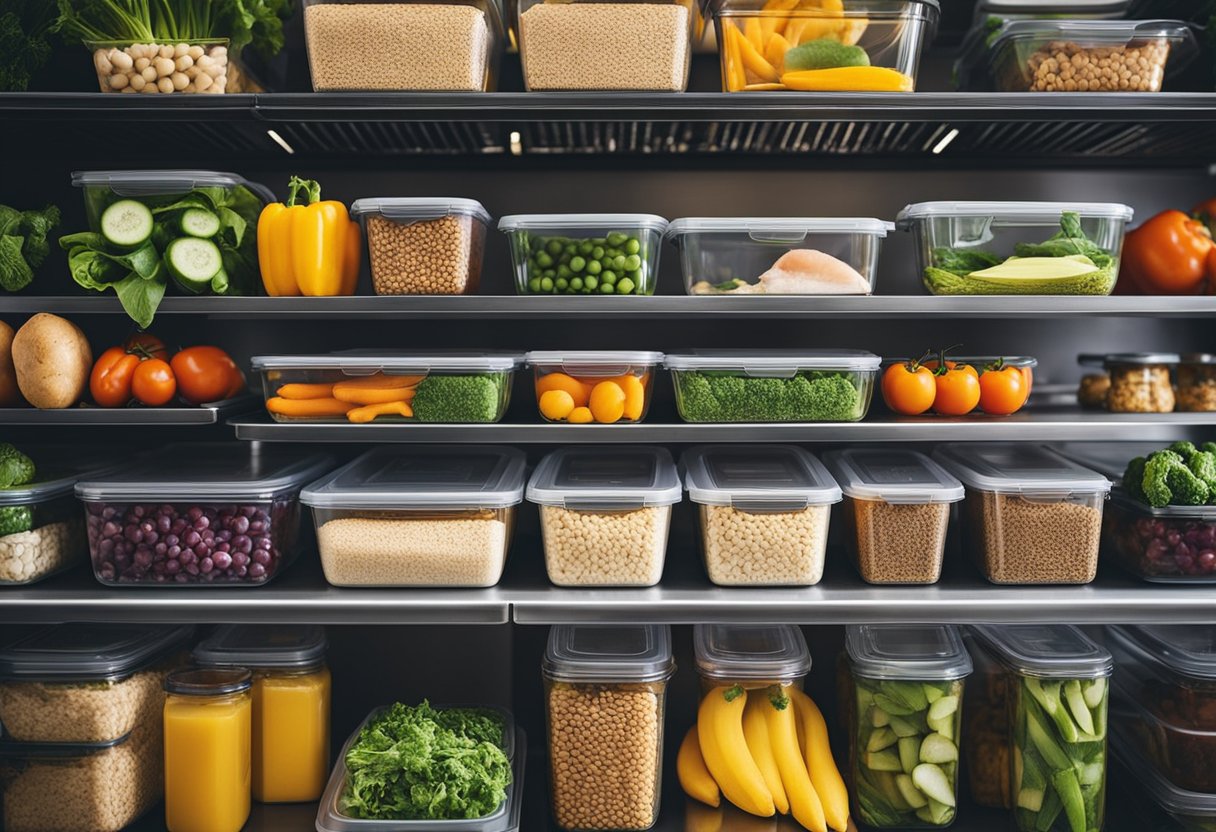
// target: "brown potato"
[[9, 394], [52, 360]]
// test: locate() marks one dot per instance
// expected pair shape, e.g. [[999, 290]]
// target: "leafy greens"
[[23, 244], [24, 45]]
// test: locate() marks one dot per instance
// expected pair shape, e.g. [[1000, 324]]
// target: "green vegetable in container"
[[23, 244], [815, 396], [15, 519], [15, 467], [24, 41], [611, 265], [1180, 475], [474, 398]]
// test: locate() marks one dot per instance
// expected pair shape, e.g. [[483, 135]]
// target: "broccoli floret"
[[15, 467], [15, 519], [1203, 466], [698, 402], [1186, 489], [764, 399], [1183, 449], [1208, 447], [1133, 479], [457, 399], [831, 397], [1157, 491]]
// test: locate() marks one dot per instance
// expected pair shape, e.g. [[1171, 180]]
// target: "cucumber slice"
[[881, 738], [933, 782], [1076, 704], [910, 793], [933, 693], [893, 706], [1091, 774], [924, 814], [904, 727], [193, 262], [1050, 811], [197, 222], [943, 707], [1095, 692], [909, 753], [879, 718], [1043, 742], [937, 749], [943, 726], [939, 813], [127, 223]]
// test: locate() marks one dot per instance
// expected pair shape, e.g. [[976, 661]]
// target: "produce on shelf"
[[563, 398], [955, 387], [419, 245], [10, 394], [614, 264], [24, 42], [15, 469], [429, 398], [138, 372], [23, 238], [206, 374], [909, 387], [797, 272], [1181, 475], [815, 396], [308, 248], [51, 358], [1170, 254]]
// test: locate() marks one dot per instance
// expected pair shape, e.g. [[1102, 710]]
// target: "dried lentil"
[[605, 46], [1020, 541], [605, 746], [612, 548], [764, 548], [896, 543], [1065, 66], [1197, 388], [397, 46], [28, 556], [1140, 389], [81, 712], [427, 257]]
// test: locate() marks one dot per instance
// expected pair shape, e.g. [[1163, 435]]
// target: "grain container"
[[594, 386], [1197, 383], [1140, 382]]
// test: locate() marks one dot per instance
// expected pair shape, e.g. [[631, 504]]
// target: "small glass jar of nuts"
[[1140, 382], [1197, 383]]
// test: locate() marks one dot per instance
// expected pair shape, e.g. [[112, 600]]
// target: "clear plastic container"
[[184, 67], [1192, 811], [561, 45], [364, 386], [429, 515], [291, 699], [897, 509], [905, 712], [764, 512], [590, 387], [1057, 684], [778, 256], [1032, 517], [397, 45], [1197, 383], [423, 245], [157, 188], [751, 656], [205, 514], [1070, 9], [986, 729], [572, 254], [1140, 382], [869, 46], [81, 787], [770, 386], [605, 513], [85, 683], [605, 696], [1174, 544], [959, 243]]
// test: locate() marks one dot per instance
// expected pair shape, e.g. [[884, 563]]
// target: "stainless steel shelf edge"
[[207, 414]]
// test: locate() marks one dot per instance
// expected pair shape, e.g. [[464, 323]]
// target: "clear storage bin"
[[764, 512], [986, 729], [563, 46], [770, 386], [605, 513], [184, 67], [1032, 517], [1140, 382], [959, 244], [905, 714], [778, 256], [1174, 544], [1057, 685], [423, 245], [291, 698], [363, 386], [418, 516], [85, 683], [588, 254], [861, 46], [1192, 811], [205, 514], [1197, 383], [605, 696], [396, 45], [896, 510], [584, 387], [750, 656], [158, 188], [1071, 9]]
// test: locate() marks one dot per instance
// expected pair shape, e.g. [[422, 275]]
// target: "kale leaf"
[[23, 244]]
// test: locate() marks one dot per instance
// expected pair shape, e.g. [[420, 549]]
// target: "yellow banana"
[[819, 761], [783, 734], [724, 748], [694, 777], [755, 732]]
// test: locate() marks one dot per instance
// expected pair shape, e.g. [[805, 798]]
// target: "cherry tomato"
[[908, 388], [153, 383], [1003, 390], [958, 391], [146, 345], [933, 364], [110, 381], [206, 374]]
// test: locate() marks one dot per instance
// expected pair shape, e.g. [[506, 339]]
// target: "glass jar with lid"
[[1197, 383], [1140, 382]]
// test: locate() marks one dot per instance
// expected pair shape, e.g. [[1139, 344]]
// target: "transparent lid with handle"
[[1018, 468], [1184, 650], [165, 182], [751, 652], [412, 209], [1037, 212], [757, 477], [924, 652], [892, 475], [779, 229], [370, 362], [1048, 651], [263, 646], [774, 363], [609, 653], [566, 222], [610, 478], [57, 469], [92, 652]]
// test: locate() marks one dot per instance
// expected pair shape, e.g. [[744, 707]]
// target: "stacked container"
[[156, 188], [594, 387], [1186, 811], [418, 516], [605, 692], [764, 512], [896, 511], [905, 711], [751, 656]]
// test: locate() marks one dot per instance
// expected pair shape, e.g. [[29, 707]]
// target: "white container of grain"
[[1032, 517], [605, 45], [445, 45], [418, 516], [764, 513], [605, 513]]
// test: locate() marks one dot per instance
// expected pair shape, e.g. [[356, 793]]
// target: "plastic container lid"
[[557, 222], [1198, 806], [1060, 8], [13, 750], [208, 681], [1204, 513], [263, 646], [779, 229], [876, 9], [366, 363], [757, 652], [219, 471], [1205, 358], [419, 208], [926, 652], [616, 478], [1107, 31], [434, 476], [1048, 651], [163, 182], [758, 477], [609, 653], [1181, 649], [57, 469], [773, 364], [89, 652], [1026, 211], [893, 476], [592, 358], [1018, 468]]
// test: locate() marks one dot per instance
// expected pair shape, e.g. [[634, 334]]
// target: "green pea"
[[633, 263], [607, 289], [534, 284], [564, 271], [598, 241], [624, 286], [561, 283], [633, 246], [635, 276], [590, 283], [554, 247], [585, 248], [577, 284], [546, 284], [598, 253], [619, 262], [608, 277], [594, 267], [549, 273], [577, 264], [544, 260], [616, 238]]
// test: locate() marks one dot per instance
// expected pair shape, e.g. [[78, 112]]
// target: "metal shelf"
[[207, 414]]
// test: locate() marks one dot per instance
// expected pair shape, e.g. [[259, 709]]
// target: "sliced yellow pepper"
[[754, 34], [733, 74], [848, 79], [307, 249], [764, 87], [774, 52], [754, 61], [773, 17]]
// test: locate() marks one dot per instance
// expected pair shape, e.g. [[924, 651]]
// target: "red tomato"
[[110, 381], [153, 383], [206, 374], [908, 388], [1003, 390], [958, 391], [146, 345]]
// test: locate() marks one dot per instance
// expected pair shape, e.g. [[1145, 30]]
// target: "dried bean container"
[[1197, 383], [1140, 382], [605, 693], [752, 656]]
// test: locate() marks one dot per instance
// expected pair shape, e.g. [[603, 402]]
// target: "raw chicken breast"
[[805, 271]]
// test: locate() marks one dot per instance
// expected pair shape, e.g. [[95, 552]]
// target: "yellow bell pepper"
[[848, 79], [309, 249]]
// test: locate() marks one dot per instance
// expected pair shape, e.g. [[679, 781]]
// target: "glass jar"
[[208, 725], [1140, 383], [1197, 383], [905, 715], [605, 693]]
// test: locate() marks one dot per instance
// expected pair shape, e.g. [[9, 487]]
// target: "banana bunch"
[[766, 751]]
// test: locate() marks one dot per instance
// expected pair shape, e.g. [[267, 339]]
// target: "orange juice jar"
[[207, 740]]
